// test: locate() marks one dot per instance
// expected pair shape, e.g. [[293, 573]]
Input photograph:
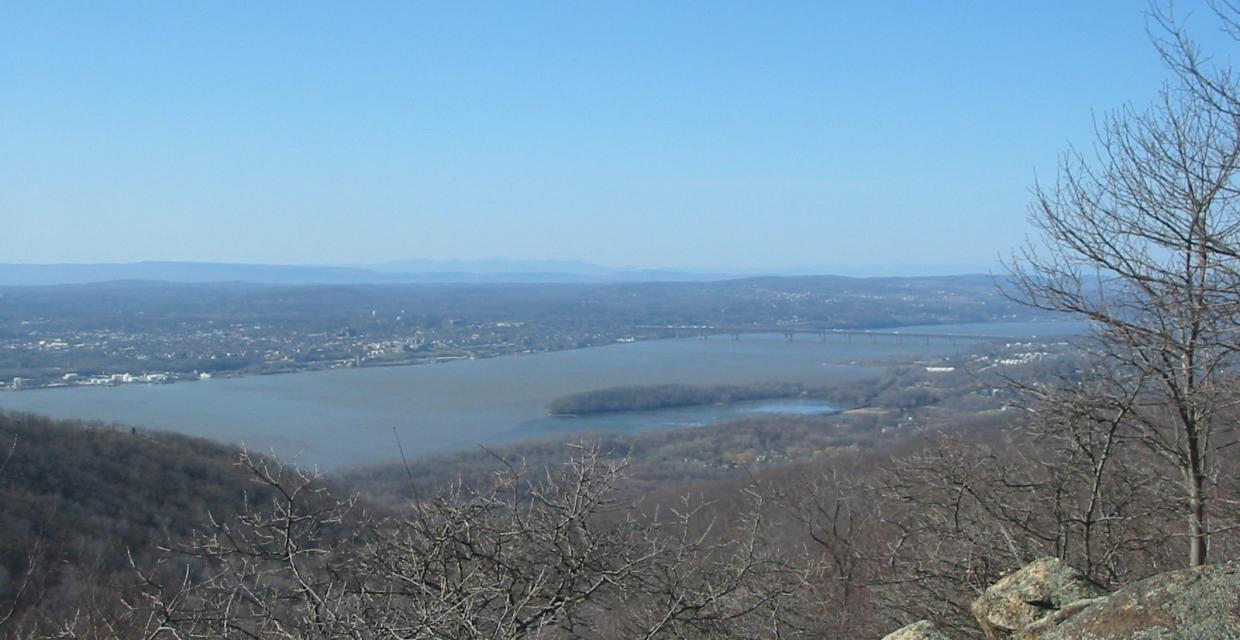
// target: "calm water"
[[344, 417]]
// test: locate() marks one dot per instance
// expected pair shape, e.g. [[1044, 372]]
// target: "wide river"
[[343, 417]]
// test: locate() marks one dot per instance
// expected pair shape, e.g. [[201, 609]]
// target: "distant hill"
[[25, 275], [418, 271], [78, 501], [485, 267]]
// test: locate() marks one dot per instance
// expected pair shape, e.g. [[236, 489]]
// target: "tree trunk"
[[1197, 536]]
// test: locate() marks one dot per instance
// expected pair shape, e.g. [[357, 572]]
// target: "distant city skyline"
[[724, 137]]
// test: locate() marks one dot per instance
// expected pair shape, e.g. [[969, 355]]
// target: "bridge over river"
[[873, 336]]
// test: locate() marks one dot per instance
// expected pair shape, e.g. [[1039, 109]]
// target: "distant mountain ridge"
[[404, 272], [496, 266], [202, 272]]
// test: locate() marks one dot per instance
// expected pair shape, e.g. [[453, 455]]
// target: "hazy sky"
[[672, 134]]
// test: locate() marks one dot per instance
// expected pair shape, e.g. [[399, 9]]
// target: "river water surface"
[[343, 417]]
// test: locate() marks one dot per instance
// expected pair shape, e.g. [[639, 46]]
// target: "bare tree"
[[1140, 238], [560, 557], [958, 515], [833, 510]]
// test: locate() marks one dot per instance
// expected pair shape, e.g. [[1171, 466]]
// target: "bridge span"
[[873, 336]]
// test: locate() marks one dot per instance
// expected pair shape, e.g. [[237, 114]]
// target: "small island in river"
[[665, 396]]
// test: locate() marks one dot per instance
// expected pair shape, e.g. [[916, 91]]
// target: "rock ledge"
[[1049, 600]]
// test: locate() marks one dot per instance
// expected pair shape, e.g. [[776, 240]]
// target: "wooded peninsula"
[[666, 396]]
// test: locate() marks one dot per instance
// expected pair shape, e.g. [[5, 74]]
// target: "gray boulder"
[[1190, 604], [921, 630], [1037, 591]]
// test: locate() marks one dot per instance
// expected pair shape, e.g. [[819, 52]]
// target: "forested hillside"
[[78, 501]]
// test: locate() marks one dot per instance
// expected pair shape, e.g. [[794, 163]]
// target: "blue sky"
[[646, 134]]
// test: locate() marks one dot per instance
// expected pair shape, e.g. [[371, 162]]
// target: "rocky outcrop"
[[1190, 604], [1048, 600], [1039, 590], [923, 630]]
